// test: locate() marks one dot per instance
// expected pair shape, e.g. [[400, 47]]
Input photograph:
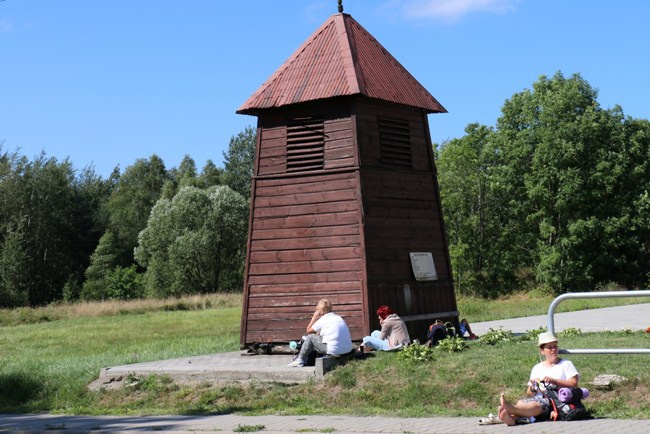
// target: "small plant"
[[571, 331], [452, 344], [533, 334], [495, 336], [417, 353], [249, 428]]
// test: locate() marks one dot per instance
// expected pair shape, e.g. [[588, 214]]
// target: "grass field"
[[48, 356]]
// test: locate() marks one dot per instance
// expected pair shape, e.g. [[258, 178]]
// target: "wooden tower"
[[344, 198]]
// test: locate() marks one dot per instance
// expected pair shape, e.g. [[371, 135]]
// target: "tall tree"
[[130, 203], [194, 243], [210, 175], [102, 261], [472, 203], [187, 172], [15, 280], [565, 160], [238, 162], [557, 191], [47, 225]]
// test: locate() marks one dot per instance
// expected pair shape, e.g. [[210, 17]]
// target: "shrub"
[[417, 353], [533, 334], [124, 283], [495, 336], [452, 344], [571, 331]]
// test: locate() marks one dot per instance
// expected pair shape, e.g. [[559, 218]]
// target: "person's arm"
[[533, 382], [315, 317], [569, 382], [385, 329], [569, 378], [532, 388]]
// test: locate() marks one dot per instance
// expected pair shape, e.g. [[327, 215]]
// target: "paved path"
[[634, 316], [51, 424], [291, 424]]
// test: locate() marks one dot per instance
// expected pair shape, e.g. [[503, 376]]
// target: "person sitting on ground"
[[393, 334], [552, 370], [466, 329], [327, 333]]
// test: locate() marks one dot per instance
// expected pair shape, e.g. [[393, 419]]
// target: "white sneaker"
[[296, 364], [490, 420]]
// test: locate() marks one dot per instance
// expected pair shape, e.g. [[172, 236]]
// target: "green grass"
[[46, 366]]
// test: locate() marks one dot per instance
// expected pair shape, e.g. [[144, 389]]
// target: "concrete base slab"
[[214, 368]]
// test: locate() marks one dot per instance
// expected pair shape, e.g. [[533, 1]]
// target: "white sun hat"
[[545, 338]]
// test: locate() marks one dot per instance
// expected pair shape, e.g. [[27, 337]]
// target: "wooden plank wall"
[[305, 245], [402, 215], [305, 236]]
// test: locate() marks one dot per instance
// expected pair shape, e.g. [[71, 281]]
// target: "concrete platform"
[[215, 368]]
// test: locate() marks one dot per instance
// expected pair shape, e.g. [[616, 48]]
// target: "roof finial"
[[340, 6]]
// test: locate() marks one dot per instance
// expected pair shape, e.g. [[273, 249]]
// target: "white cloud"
[[453, 10]]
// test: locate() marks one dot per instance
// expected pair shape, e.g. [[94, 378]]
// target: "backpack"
[[567, 402], [439, 331]]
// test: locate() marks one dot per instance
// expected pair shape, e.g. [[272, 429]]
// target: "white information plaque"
[[423, 267]]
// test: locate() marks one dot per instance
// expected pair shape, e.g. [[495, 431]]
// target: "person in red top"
[[393, 334]]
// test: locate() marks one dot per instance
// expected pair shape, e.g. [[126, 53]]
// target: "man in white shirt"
[[327, 333]]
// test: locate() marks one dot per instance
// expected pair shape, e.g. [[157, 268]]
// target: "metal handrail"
[[609, 294]]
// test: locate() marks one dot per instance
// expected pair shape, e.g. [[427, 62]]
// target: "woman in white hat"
[[552, 370]]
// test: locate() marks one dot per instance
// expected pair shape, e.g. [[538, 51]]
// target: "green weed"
[[452, 344], [249, 428], [495, 336], [417, 353]]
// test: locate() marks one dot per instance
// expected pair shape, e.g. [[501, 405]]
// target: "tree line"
[[556, 195], [147, 232]]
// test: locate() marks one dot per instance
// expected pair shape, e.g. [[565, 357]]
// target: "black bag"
[[439, 331], [572, 410]]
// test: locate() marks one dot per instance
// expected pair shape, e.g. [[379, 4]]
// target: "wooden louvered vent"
[[395, 142], [305, 144]]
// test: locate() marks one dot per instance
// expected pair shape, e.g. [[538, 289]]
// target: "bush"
[[495, 336], [124, 283], [452, 344], [417, 353], [571, 331], [533, 334]]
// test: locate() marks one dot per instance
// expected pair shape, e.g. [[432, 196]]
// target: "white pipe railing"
[[610, 294]]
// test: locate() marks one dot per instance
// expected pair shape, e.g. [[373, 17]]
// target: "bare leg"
[[464, 323], [505, 417], [521, 408]]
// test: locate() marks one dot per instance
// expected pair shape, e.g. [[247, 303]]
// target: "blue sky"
[[104, 82]]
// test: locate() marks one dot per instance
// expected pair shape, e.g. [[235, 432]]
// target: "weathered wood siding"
[[305, 234], [402, 215]]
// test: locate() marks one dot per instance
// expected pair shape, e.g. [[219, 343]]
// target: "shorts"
[[544, 402]]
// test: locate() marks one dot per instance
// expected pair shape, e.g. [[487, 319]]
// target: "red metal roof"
[[341, 58]]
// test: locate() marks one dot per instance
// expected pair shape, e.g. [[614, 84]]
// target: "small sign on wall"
[[423, 267]]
